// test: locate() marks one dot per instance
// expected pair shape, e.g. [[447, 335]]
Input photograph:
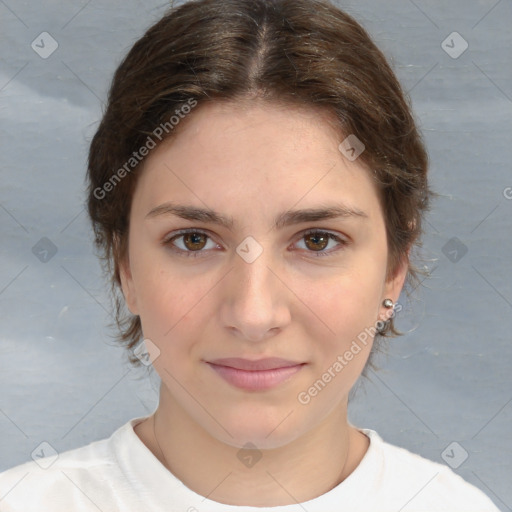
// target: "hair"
[[306, 53]]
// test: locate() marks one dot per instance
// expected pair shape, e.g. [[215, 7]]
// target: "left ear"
[[395, 282]]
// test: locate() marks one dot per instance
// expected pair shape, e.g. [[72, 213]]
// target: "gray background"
[[62, 378]]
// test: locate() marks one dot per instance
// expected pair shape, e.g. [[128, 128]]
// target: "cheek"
[[164, 301], [344, 305], [341, 341], [345, 314], [172, 305]]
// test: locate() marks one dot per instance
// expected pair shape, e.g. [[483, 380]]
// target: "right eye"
[[189, 242]]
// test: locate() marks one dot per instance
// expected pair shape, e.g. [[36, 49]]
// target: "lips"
[[271, 363], [256, 375]]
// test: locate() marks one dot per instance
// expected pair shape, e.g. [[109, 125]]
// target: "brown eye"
[[190, 243], [317, 241], [194, 241]]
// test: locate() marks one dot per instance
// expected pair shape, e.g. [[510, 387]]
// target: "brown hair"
[[303, 52]]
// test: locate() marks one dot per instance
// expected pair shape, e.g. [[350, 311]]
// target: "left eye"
[[318, 241]]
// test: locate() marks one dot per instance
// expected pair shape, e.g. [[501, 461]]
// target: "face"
[[252, 237]]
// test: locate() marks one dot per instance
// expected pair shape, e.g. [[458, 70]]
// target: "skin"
[[253, 161]]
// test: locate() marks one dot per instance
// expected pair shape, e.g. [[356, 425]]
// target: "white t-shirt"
[[121, 474]]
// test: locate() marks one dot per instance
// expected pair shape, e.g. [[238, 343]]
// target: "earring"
[[387, 303]]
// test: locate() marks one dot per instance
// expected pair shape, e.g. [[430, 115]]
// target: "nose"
[[255, 306]]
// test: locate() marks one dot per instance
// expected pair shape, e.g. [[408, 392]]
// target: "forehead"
[[254, 157]]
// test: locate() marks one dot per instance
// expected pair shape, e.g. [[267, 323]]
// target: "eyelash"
[[194, 254]]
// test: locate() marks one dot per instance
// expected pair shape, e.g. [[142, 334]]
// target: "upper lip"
[[270, 363]]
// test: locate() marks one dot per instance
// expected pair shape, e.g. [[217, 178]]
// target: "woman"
[[256, 187]]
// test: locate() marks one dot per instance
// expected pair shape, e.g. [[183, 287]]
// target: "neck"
[[280, 476]]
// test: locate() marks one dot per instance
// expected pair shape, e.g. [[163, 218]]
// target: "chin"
[[263, 431]]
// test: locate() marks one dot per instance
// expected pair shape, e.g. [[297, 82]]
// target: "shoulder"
[[423, 484], [83, 478]]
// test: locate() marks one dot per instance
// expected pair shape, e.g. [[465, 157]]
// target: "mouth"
[[255, 375]]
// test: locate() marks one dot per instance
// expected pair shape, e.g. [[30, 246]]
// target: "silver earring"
[[387, 303]]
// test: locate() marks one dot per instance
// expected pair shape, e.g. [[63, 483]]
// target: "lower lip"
[[255, 380]]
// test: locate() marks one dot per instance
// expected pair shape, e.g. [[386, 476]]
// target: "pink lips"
[[255, 375]]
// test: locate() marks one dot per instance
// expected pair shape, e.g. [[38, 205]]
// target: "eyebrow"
[[287, 218]]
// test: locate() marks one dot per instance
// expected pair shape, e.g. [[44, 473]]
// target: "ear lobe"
[[128, 286]]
